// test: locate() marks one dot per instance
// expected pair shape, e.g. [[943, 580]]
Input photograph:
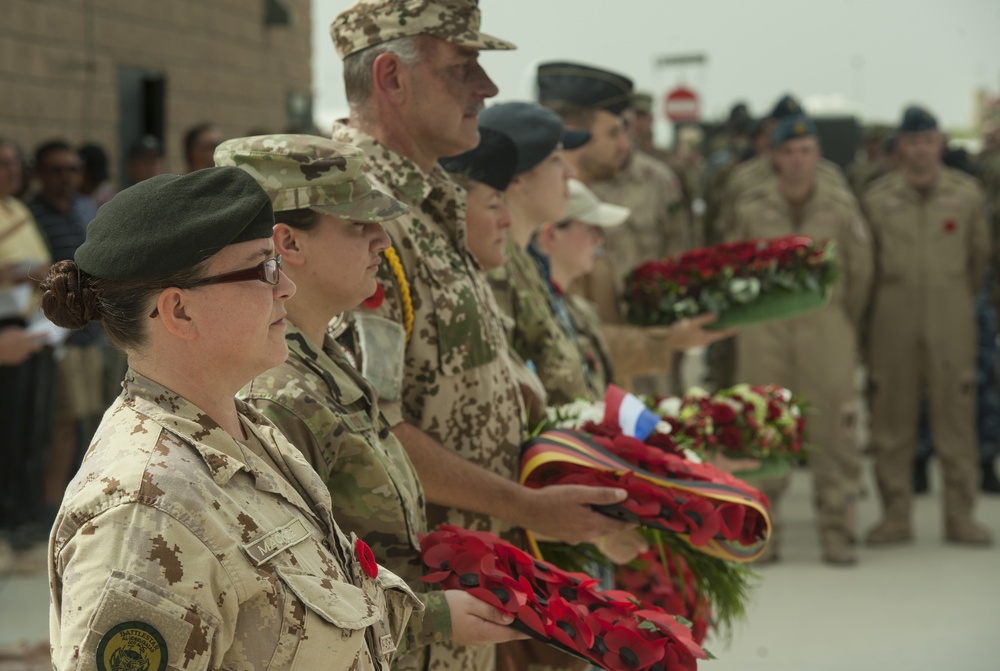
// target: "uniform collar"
[[420, 190], [412, 184], [215, 447], [323, 362]]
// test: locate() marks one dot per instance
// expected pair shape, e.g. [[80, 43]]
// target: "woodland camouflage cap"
[[305, 171]]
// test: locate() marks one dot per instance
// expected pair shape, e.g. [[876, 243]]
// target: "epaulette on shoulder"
[[961, 179], [884, 183]]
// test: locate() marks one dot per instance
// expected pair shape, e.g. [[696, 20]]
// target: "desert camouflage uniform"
[[175, 540], [330, 413], [458, 382], [815, 355], [536, 335]]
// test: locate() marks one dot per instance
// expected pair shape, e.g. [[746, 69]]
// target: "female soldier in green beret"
[[194, 536], [330, 241]]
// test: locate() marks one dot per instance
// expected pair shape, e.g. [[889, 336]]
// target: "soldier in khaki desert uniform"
[[593, 100], [415, 88], [815, 355], [194, 534], [329, 237], [760, 168], [932, 248]]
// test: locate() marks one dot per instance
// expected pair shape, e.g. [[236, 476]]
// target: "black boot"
[[990, 482], [920, 483]]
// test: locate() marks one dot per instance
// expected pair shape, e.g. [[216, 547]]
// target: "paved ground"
[[925, 607]]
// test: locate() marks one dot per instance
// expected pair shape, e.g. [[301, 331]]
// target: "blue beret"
[[786, 106], [493, 162], [534, 130], [916, 120], [169, 223], [583, 86], [791, 127]]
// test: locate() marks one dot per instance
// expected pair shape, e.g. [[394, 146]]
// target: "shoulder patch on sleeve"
[[140, 626], [132, 646]]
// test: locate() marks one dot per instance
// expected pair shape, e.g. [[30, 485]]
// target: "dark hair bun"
[[63, 302]]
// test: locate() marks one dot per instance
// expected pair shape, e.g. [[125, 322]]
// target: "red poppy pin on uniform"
[[367, 558], [376, 298], [950, 226]]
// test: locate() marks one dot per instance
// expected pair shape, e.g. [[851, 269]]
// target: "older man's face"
[[449, 87]]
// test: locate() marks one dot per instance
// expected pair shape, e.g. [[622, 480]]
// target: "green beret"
[[169, 223]]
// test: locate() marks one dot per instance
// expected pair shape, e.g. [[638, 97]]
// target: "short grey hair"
[[358, 66]]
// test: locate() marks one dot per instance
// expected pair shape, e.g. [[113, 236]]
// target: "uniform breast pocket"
[[949, 244], [464, 341], [327, 619]]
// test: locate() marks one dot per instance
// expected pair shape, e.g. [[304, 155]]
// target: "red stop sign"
[[681, 104]]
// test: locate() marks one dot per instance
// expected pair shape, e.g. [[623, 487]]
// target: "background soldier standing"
[[816, 354], [932, 249]]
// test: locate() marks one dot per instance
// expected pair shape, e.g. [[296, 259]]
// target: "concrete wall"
[[59, 64]]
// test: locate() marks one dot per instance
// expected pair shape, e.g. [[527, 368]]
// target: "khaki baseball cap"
[[584, 206], [369, 22], [309, 172]]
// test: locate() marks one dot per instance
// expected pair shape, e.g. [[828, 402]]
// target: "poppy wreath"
[[611, 629], [766, 423], [708, 508], [667, 582], [742, 282]]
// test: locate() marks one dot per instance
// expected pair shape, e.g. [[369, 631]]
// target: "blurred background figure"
[[144, 160], [26, 368], [199, 145], [63, 214], [95, 185]]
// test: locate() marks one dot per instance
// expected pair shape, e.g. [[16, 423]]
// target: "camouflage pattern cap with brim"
[[309, 172], [641, 102], [369, 22]]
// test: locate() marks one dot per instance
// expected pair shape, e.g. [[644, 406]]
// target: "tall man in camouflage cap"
[[415, 88], [816, 354], [932, 247]]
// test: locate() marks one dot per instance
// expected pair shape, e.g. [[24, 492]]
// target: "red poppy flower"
[[950, 226], [627, 649], [366, 558], [568, 625], [376, 298]]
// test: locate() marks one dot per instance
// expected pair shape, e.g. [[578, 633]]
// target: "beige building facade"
[[111, 71]]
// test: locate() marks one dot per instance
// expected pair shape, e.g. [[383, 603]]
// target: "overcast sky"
[[868, 56]]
